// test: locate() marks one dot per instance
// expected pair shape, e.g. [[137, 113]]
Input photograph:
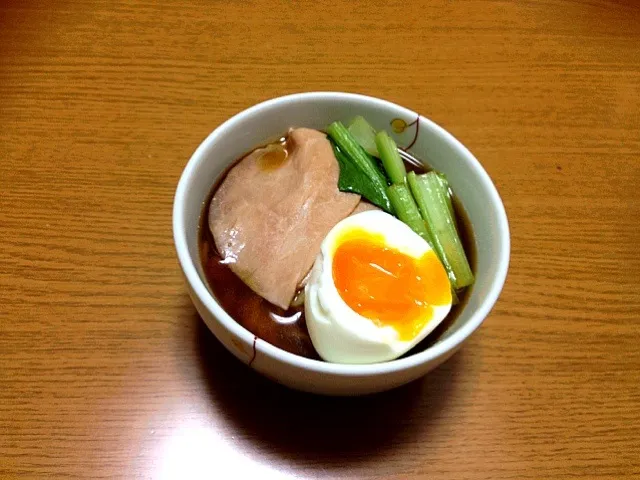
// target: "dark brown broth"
[[287, 329]]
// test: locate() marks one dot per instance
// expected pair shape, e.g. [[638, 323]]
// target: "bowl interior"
[[429, 142]]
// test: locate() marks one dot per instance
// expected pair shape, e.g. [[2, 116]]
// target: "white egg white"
[[338, 333]]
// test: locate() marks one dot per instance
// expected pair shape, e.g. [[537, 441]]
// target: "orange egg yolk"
[[387, 286]]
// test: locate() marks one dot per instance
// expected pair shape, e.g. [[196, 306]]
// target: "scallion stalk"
[[407, 210], [354, 152], [431, 198], [390, 157], [364, 134]]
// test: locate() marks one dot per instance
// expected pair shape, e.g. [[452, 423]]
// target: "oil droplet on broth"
[[272, 157]]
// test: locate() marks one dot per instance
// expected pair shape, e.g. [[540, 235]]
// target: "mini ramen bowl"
[[427, 141]]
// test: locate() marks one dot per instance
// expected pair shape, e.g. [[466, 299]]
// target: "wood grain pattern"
[[107, 372]]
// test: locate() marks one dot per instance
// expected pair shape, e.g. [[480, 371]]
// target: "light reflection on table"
[[195, 452]]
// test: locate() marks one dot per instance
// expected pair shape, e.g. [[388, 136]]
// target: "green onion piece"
[[364, 134], [354, 152], [431, 198], [445, 185], [353, 180], [390, 157], [407, 210]]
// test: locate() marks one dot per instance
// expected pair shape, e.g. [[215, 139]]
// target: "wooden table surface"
[[106, 370]]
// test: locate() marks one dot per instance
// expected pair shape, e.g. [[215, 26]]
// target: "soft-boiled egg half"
[[376, 289]]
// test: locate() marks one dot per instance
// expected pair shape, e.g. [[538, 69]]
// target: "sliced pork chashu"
[[271, 213]]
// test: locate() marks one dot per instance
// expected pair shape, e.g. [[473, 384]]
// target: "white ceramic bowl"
[[268, 121]]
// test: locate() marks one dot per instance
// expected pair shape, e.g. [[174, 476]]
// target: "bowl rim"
[[431, 353]]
